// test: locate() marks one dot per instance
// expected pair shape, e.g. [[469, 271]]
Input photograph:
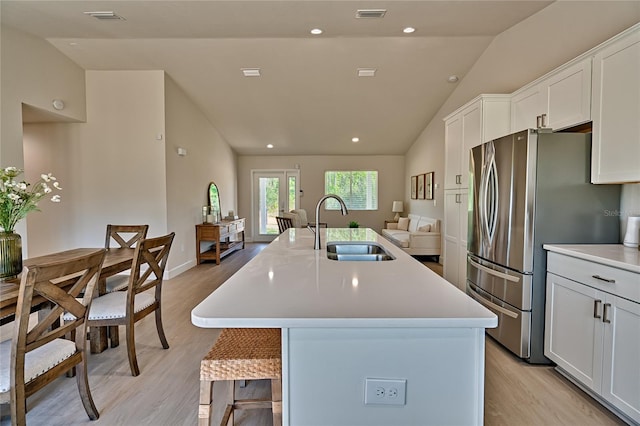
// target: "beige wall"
[[390, 176], [209, 158], [517, 56]]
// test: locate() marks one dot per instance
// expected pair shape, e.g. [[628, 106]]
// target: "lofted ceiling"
[[308, 99]]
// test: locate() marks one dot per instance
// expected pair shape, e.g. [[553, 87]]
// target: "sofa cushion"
[[403, 223], [425, 228], [398, 237]]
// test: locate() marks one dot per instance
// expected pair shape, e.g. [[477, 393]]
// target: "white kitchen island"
[[347, 321]]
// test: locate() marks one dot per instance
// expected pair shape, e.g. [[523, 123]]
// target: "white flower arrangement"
[[17, 199]]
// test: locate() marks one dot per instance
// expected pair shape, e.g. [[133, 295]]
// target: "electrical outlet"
[[385, 391]]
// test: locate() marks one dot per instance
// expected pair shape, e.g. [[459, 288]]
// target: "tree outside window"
[[358, 189]]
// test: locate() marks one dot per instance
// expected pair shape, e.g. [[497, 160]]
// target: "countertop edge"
[[590, 252]]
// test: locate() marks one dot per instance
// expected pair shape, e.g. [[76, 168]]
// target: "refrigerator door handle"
[[478, 298], [494, 272]]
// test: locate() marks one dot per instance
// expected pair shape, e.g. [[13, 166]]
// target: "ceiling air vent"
[[105, 15], [370, 13]]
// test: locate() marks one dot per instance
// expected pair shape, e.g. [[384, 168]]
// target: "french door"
[[274, 192]]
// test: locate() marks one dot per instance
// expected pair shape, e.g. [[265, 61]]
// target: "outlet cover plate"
[[385, 391]]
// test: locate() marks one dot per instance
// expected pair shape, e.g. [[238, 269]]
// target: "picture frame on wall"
[[414, 187], [421, 179], [428, 186]]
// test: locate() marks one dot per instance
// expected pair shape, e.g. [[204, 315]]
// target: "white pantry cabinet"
[[592, 329], [557, 100], [480, 120], [616, 110]]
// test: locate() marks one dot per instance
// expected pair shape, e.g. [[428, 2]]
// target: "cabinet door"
[[621, 369], [568, 96], [573, 334], [526, 106], [451, 236], [616, 111], [471, 136], [453, 147]]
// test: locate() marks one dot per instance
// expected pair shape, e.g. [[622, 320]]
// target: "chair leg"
[[161, 335], [114, 336], [276, 401], [206, 398], [85, 391], [131, 349], [71, 336]]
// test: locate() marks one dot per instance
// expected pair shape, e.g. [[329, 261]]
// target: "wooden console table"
[[227, 236]]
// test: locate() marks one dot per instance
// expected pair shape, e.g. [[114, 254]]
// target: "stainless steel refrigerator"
[[528, 189]]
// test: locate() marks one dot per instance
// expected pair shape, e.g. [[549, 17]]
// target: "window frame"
[[333, 205]]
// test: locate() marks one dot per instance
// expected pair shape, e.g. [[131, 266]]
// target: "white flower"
[[22, 186], [55, 198], [46, 188], [47, 177], [56, 185], [13, 197], [11, 169]]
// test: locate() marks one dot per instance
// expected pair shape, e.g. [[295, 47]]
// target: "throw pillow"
[[425, 228], [403, 224]]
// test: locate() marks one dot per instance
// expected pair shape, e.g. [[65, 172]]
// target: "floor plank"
[[166, 392]]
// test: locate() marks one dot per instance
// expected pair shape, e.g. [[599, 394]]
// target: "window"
[[358, 189]]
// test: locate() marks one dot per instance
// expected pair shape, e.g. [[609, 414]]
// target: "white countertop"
[[289, 284], [616, 255]]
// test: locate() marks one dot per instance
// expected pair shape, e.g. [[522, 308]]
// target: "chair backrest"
[[125, 235], [60, 283], [149, 263], [284, 223], [302, 217]]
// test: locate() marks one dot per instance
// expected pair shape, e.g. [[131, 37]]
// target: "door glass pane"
[[269, 199], [292, 192]]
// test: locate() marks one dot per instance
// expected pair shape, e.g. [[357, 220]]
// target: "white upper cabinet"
[[558, 100], [482, 119], [616, 110]]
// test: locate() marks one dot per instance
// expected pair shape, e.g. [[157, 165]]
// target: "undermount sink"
[[357, 251]]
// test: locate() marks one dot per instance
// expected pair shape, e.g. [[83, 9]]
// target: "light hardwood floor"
[[166, 392]]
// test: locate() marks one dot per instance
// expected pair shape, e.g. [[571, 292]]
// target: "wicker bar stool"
[[242, 354]]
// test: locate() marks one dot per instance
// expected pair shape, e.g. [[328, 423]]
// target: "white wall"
[[524, 52], [312, 167], [209, 158]]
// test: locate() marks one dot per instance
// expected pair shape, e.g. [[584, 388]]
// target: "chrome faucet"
[[343, 207]]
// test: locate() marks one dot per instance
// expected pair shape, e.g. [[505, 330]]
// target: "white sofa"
[[422, 237]]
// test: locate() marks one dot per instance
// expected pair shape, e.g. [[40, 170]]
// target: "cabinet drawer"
[[208, 232], [612, 280]]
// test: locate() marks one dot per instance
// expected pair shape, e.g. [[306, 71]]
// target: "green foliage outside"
[[358, 189]]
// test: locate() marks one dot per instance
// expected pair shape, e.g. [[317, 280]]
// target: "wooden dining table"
[[116, 260]]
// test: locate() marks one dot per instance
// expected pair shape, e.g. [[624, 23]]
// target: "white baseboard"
[[174, 272]]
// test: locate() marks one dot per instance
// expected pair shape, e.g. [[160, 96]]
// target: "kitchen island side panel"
[[326, 368]]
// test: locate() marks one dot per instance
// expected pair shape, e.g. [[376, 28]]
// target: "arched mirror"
[[213, 200]]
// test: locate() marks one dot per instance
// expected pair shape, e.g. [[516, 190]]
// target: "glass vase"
[[10, 255]]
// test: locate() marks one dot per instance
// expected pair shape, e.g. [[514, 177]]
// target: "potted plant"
[[17, 199], [354, 224]]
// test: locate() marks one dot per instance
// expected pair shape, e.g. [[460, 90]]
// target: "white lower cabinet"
[[455, 237], [592, 334]]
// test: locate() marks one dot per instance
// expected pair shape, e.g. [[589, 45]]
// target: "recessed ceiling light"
[[251, 72], [270, 146], [316, 31], [105, 15], [408, 30], [453, 79], [355, 139], [366, 72]]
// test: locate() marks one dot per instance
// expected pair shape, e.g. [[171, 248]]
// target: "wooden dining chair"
[[37, 355], [143, 295], [284, 223], [126, 236]]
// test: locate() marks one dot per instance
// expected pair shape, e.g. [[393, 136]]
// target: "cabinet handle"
[[458, 179], [608, 280], [596, 304], [458, 199], [605, 311], [538, 121], [544, 120]]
